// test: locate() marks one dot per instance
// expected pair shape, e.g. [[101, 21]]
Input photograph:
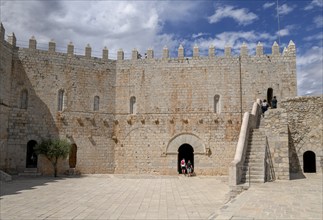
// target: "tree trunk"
[[55, 167], [55, 170]]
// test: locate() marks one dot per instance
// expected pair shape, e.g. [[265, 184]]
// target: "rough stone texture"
[[293, 129], [304, 115], [276, 129], [174, 105], [5, 81]]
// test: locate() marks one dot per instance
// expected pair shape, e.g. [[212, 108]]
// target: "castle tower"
[[105, 53], [165, 53], [2, 32], [275, 49], [259, 49], [150, 53], [211, 51], [51, 46], [32, 43], [244, 50], [195, 52], [88, 51], [180, 52], [12, 39], [70, 49], [227, 51], [291, 48], [120, 55]]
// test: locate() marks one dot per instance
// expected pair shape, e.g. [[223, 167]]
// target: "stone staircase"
[[30, 172], [254, 165]]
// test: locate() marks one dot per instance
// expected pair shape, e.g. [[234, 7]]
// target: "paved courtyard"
[[157, 197]]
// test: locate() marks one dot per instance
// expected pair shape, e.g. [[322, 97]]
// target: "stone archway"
[[185, 145], [31, 156], [185, 151], [186, 138], [309, 162]]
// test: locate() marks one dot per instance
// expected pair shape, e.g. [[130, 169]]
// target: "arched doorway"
[[72, 156], [31, 156], [269, 95], [309, 163], [185, 151]]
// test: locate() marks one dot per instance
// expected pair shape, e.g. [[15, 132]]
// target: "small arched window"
[[133, 105], [96, 103], [217, 104], [24, 99], [60, 100]]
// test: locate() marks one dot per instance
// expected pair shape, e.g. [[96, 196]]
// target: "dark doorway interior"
[[72, 156], [31, 156], [269, 96], [185, 151], [309, 164]]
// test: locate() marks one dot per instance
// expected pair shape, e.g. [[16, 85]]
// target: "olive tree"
[[53, 150]]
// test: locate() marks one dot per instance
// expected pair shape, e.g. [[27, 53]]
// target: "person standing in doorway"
[[183, 165], [274, 102], [264, 107], [189, 168]]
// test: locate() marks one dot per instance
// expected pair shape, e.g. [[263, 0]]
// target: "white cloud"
[[318, 21], [235, 40], [310, 72], [318, 36], [242, 15], [115, 24], [199, 35], [285, 9], [268, 5], [286, 31], [177, 11], [283, 32], [314, 4]]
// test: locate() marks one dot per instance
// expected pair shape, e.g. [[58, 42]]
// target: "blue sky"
[[155, 24]]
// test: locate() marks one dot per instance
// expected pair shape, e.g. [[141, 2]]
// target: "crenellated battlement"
[[131, 105], [290, 50]]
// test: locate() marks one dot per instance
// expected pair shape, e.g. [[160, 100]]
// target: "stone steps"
[[253, 172], [30, 172]]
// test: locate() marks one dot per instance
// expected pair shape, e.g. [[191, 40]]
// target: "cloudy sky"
[[155, 24]]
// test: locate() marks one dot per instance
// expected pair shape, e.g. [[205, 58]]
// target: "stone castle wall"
[[292, 129], [174, 106], [304, 115], [6, 55], [43, 74]]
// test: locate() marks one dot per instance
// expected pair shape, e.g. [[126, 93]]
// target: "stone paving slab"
[[158, 197], [288, 199], [112, 197]]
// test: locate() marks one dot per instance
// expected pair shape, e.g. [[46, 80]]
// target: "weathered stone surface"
[[173, 97]]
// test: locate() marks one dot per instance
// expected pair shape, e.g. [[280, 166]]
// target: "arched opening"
[[269, 96], [309, 163], [24, 99], [185, 151], [133, 109], [72, 156], [217, 104], [96, 103], [60, 100], [31, 156]]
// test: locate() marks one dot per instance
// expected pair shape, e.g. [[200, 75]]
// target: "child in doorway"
[[183, 165]]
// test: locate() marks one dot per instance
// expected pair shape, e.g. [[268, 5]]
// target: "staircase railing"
[[249, 121]]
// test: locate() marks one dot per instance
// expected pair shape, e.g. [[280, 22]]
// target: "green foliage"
[[53, 149]]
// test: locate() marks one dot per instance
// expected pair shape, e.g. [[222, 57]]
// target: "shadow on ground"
[[20, 183], [296, 176]]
